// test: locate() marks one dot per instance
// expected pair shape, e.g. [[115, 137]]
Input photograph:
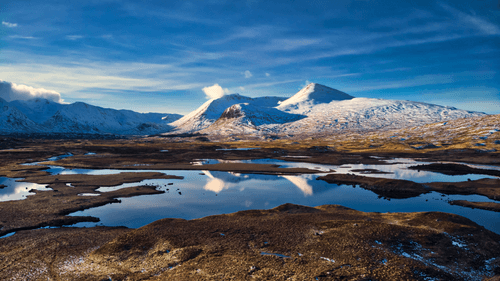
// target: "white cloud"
[[267, 74], [11, 91], [227, 91], [74, 37], [242, 88], [9, 24], [213, 92], [248, 74]]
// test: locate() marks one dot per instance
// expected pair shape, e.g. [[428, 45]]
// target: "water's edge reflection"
[[202, 193]]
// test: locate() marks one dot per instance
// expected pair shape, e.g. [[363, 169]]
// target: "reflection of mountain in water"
[[309, 185], [218, 181], [301, 183]]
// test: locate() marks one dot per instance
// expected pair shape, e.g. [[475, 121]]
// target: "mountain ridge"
[[45, 116], [315, 109]]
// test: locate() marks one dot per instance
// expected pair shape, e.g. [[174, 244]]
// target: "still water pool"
[[203, 193]]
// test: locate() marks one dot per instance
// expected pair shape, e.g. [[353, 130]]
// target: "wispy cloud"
[[141, 10], [431, 79], [238, 33], [9, 24], [74, 37], [286, 44], [269, 84], [70, 78], [22, 37], [186, 46], [477, 22]]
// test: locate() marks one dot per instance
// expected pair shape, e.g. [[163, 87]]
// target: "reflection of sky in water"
[[17, 190], [204, 193], [54, 158], [218, 192], [396, 169]]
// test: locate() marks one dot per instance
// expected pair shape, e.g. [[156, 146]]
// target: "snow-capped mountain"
[[316, 109], [13, 120], [44, 116], [311, 95], [83, 117], [38, 110], [211, 110], [372, 114], [247, 118]]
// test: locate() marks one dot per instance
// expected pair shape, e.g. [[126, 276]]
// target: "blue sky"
[[158, 56]]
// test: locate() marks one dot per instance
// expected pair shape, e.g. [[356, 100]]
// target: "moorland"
[[285, 242]]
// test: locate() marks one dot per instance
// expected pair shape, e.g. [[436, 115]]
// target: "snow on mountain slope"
[[370, 114], [44, 116], [311, 95], [246, 118], [38, 110], [82, 117], [316, 109], [13, 120], [211, 110]]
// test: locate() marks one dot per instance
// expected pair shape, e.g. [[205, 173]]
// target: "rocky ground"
[[289, 242]]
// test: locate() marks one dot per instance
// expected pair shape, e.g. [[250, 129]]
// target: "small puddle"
[[54, 158], [273, 254], [7, 235], [239, 148]]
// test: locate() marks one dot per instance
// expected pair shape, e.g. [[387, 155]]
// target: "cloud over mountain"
[[213, 92], [11, 91]]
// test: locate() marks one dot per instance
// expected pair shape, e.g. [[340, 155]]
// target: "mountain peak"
[[313, 94]]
